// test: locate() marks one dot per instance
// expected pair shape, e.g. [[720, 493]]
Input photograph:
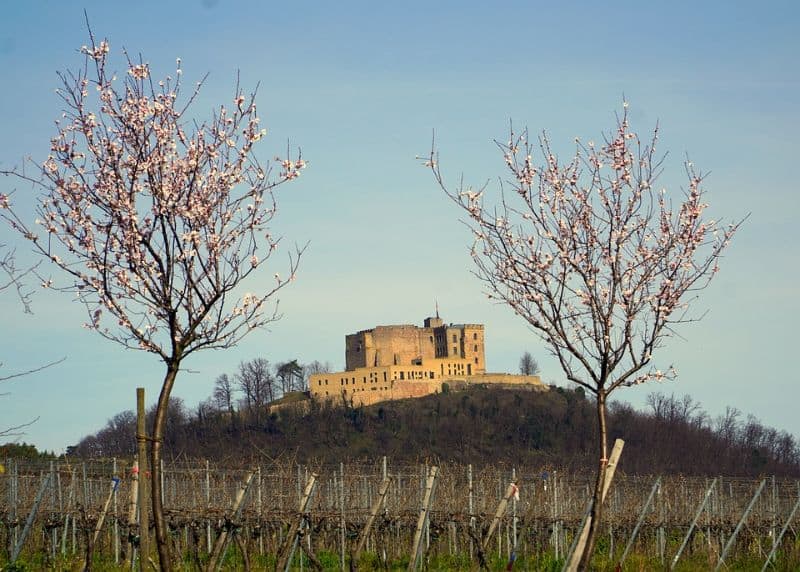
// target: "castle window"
[[455, 350], [430, 374], [476, 360], [476, 347], [475, 336], [402, 374], [455, 339]]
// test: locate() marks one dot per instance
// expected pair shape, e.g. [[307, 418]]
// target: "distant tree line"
[[482, 426], [23, 451], [239, 401]]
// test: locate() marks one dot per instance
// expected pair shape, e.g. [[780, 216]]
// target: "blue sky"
[[360, 86]]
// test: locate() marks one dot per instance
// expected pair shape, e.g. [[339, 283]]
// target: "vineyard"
[[380, 516]]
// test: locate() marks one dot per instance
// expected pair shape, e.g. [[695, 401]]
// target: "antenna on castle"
[[435, 301]]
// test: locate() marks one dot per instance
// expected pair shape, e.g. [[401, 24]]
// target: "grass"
[[786, 561]]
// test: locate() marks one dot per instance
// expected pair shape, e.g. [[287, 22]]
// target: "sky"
[[361, 87]]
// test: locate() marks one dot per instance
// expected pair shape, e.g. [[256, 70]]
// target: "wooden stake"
[[133, 501], [575, 556], [101, 519], [216, 555], [424, 514], [295, 530], [498, 514], [376, 506], [29, 520]]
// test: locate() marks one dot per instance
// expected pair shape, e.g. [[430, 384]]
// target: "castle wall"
[[389, 345], [370, 385], [407, 344]]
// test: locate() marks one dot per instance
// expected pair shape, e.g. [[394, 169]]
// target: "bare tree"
[[223, 393], [528, 365], [600, 264], [156, 218], [257, 385]]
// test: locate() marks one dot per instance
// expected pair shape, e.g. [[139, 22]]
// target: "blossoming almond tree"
[[601, 264], [156, 219]]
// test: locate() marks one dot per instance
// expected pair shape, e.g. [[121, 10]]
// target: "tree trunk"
[[162, 539], [597, 503]]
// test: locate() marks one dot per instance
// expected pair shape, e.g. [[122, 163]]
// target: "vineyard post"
[[376, 507], [84, 518], [259, 510], [60, 503], [133, 500], [29, 520], [70, 500], [116, 520], [101, 519], [471, 508], [774, 511], [583, 535], [662, 545], [720, 513], [53, 494], [738, 528], [208, 506], [500, 524], [514, 513], [384, 475], [423, 519], [428, 520], [502, 506], [295, 529], [777, 541], [341, 511], [714, 506], [299, 484], [556, 514], [639, 522], [615, 503], [75, 530], [699, 512], [14, 501], [217, 554]]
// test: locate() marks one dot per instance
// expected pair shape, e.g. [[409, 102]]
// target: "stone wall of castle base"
[[421, 388]]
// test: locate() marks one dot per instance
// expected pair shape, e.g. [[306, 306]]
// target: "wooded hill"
[[553, 429]]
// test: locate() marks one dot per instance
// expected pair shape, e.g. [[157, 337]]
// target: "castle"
[[402, 361]]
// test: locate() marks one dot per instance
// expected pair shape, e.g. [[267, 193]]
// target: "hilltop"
[[480, 426]]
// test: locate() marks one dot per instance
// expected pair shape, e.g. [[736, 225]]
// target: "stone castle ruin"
[[403, 361]]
